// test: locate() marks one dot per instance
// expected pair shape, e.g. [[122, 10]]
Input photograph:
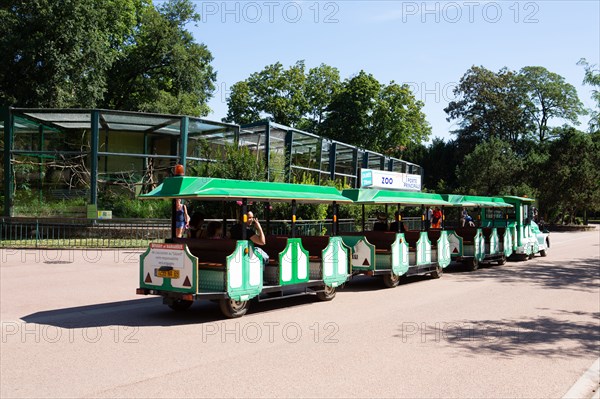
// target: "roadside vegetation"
[[518, 130]]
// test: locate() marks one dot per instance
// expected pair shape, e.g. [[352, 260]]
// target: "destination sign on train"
[[370, 178]]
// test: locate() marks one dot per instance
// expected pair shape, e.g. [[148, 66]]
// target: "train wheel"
[[233, 309], [327, 294], [472, 264], [543, 253], [531, 255], [438, 272], [180, 305], [391, 280], [502, 260]]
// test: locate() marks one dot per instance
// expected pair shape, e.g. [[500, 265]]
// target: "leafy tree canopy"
[[511, 106], [592, 78], [124, 54]]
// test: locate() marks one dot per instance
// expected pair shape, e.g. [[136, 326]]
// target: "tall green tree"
[[162, 68], [124, 54], [275, 93], [592, 78], [398, 120], [350, 113], [57, 53], [549, 96], [322, 85], [379, 117], [489, 105], [493, 168], [572, 173]]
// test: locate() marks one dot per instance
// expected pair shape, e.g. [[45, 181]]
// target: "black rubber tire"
[[233, 309], [530, 256], [327, 294], [391, 280], [472, 264], [438, 272], [181, 305], [543, 253], [502, 260]]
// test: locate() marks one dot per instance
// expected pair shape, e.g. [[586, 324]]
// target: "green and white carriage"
[[491, 241], [184, 270], [392, 254], [528, 238]]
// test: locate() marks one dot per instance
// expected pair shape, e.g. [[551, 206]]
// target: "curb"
[[587, 386]]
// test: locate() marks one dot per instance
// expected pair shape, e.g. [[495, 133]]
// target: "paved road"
[[73, 327]]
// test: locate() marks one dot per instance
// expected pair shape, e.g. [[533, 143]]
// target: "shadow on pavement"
[[544, 336], [362, 283], [578, 274], [150, 312]]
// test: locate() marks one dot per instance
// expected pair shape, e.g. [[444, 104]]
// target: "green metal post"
[[355, 167], [267, 150], [289, 137], [183, 140], [332, 160], [8, 119], [293, 219], [41, 158], [94, 157]]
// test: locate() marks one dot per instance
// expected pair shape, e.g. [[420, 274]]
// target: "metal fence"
[[135, 233], [81, 233]]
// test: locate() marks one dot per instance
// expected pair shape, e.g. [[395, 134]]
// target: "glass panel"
[[344, 157], [305, 150], [277, 154]]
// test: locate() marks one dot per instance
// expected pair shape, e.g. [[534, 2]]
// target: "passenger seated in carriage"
[[382, 222]]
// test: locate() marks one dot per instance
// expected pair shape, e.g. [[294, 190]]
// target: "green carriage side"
[[529, 239], [394, 254], [231, 271], [491, 241]]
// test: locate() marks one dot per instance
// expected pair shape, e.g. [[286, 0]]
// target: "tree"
[[572, 172], [274, 91], [493, 168], [439, 161], [349, 113], [57, 54], [162, 69], [489, 105], [398, 120], [592, 78], [123, 54], [322, 85], [379, 117], [549, 96]]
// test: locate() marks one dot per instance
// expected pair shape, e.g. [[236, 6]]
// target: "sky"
[[428, 45]]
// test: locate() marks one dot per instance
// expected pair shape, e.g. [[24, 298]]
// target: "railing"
[[135, 233], [81, 233]]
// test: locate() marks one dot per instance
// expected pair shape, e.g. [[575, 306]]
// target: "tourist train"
[[234, 271]]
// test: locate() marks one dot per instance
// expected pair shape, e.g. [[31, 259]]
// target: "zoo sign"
[[370, 178]]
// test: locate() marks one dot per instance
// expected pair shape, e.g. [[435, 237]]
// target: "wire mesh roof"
[[119, 121]]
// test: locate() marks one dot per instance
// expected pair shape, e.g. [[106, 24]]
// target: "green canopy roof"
[[375, 196], [223, 189], [518, 199], [476, 201]]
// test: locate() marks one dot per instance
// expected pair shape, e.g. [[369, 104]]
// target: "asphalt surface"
[[72, 326]]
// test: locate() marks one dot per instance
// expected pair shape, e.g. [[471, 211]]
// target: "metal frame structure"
[[324, 158], [138, 141]]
